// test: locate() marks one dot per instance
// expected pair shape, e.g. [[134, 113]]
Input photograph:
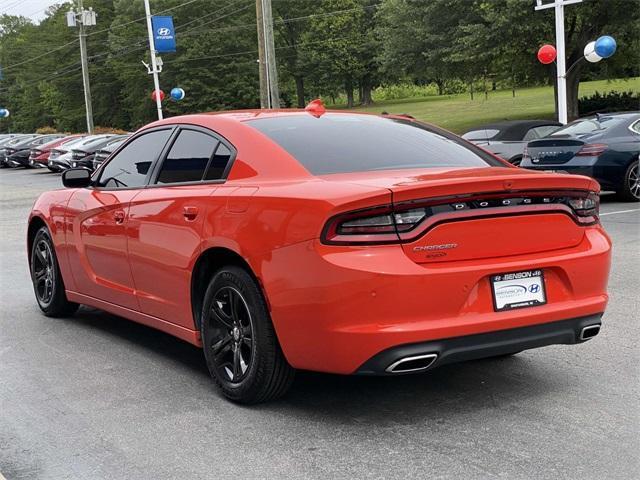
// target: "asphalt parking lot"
[[96, 396]]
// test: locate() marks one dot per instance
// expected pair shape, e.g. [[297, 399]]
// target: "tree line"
[[335, 49]]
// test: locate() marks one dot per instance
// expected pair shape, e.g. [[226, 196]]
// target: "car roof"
[[514, 130]]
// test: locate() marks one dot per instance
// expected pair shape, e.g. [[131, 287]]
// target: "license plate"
[[518, 290]]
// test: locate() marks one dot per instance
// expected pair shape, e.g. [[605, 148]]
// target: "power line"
[[112, 27], [40, 56], [214, 13], [94, 33]]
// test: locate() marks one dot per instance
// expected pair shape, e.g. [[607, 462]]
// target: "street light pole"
[[154, 62], [561, 65]]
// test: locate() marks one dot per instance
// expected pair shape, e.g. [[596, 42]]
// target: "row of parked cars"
[[57, 152], [604, 146]]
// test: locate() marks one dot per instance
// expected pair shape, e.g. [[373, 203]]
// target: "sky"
[[34, 9]]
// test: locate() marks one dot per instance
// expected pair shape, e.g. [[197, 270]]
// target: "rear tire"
[[240, 345], [516, 161], [47, 279], [630, 188]]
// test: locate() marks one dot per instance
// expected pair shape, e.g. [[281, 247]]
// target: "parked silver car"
[[508, 139]]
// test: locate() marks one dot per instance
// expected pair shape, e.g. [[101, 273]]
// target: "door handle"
[[190, 213], [118, 215]]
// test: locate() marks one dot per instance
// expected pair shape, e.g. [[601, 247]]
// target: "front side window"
[[340, 143], [188, 158], [129, 168]]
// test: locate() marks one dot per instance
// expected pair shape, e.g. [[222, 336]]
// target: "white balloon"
[[590, 53]]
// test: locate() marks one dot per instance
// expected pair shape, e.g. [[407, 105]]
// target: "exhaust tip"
[[415, 363], [589, 332]]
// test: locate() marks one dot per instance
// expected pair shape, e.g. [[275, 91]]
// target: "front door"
[[98, 216]]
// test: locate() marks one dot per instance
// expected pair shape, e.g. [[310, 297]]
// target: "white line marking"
[[620, 211]]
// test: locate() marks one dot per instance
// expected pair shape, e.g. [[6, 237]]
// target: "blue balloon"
[[177, 93], [605, 46]]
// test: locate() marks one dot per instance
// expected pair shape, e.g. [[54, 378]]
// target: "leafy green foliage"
[[340, 50], [610, 101]]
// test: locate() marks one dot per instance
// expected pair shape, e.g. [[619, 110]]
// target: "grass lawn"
[[458, 113]]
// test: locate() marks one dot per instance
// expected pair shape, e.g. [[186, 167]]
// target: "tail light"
[[592, 150], [586, 208], [525, 154], [396, 223]]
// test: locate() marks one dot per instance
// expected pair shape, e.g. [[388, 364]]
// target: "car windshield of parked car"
[[340, 143], [590, 125]]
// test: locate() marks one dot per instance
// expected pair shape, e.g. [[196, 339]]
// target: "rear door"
[[98, 217], [166, 220]]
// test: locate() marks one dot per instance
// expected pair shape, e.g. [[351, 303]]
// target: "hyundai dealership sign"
[[163, 33]]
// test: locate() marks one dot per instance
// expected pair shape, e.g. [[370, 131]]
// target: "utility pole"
[[560, 49], [154, 62], [84, 18], [269, 93]]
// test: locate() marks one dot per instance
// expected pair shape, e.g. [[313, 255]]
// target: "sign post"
[[561, 58], [155, 68]]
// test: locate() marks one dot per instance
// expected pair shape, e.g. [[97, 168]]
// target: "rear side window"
[[340, 143], [485, 134], [129, 168], [219, 163], [188, 157]]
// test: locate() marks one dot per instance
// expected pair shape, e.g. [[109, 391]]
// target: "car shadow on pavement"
[[141, 337], [499, 383]]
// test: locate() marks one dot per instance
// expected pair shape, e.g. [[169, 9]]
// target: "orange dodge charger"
[[328, 241]]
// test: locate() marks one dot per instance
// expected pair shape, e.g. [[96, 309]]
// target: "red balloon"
[[153, 95], [547, 54]]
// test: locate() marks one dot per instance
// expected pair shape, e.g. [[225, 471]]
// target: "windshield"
[[340, 143]]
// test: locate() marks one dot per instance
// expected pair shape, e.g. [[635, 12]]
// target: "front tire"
[[47, 279], [240, 345], [630, 188]]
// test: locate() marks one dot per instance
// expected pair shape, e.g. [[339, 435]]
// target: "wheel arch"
[[209, 261], [35, 224]]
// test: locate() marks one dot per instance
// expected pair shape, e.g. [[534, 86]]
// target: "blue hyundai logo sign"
[[164, 34]]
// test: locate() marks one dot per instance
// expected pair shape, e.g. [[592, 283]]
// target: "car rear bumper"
[[419, 357], [341, 306]]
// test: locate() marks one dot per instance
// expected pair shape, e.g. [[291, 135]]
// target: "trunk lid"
[[475, 213], [552, 151], [412, 184]]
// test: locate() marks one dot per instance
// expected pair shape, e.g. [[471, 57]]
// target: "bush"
[[46, 130], [103, 130], [609, 102], [404, 90]]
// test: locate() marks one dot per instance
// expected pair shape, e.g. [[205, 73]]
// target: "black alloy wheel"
[[230, 334], [47, 279], [240, 345]]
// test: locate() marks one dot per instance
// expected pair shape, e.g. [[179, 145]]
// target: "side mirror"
[[79, 177]]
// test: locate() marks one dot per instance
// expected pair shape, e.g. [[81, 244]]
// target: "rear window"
[[590, 125], [340, 143]]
